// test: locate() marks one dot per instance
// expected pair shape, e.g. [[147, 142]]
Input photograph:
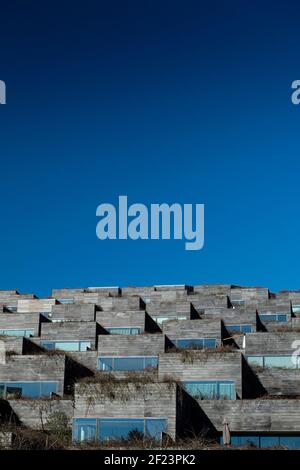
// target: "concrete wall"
[[169, 308], [120, 303], [140, 319], [13, 343], [22, 321], [271, 343], [35, 305], [213, 289], [175, 329], [70, 331], [202, 366], [276, 416], [131, 345], [74, 312], [34, 368], [127, 400], [87, 358], [279, 381], [79, 293], [35, 414], [256, 294]]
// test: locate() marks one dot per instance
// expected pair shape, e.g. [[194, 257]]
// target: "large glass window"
[[273, 361], [28, 389], [127, 363], [131, 330], [243, 440], [211, 389], [195, 343], [243, 328], [17, 332], [265, 441], [86, 429], [291, 442], [296, 308], [120, 428], [255, 360], [67, 345], [155, 427], [280, 317]]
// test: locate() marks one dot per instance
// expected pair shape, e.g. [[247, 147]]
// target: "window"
[[119, 428], [265, 441], [296, 308], [85, 429], [273, 361], [127, 363], [212, 389], [28, 389], [243, 328], [131, 330], [155, 427], [243, 440], [196, 343], [255, 360], [280, 317], [291, 442], [17, 332], [67, 345]]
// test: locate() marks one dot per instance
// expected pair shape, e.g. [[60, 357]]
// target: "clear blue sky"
[[164, 101]]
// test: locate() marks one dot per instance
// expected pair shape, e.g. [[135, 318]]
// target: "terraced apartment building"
[[159, 362]]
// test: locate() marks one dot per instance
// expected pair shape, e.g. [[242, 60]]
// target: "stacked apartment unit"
[[159, 362]]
